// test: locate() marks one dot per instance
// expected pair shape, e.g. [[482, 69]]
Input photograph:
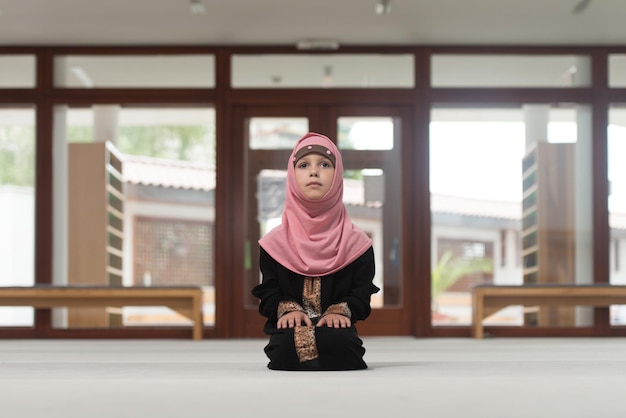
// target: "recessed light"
[[318, 44], [383, 7], [197, 7]]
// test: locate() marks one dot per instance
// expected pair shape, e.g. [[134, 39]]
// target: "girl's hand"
[[293, 319], [334, 321]]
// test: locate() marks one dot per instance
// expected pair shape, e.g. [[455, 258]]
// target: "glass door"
[[370, 143]]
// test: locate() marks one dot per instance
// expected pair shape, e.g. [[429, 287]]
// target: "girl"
[[317, 268]]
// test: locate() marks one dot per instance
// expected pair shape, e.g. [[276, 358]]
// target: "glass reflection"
[[17, 208], [159, 211], [617, 204], [510, 204]]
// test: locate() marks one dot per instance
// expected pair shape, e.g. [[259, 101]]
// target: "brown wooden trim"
[[386, 322], [600, 186], [513, 49], [133, 50], [105, 333], [44, 194], [18, 97], [308, 97], [418, 217], [236, 218], [159, 96]]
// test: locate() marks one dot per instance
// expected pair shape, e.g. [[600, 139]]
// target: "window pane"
[[276, 133], [364, 197], [366, 133], [323, 71], [373, 197], [155, 224], [17, 71], [17, 208], [97, 71], [504, 184], [617, 204], [617, 70], [458, 70]]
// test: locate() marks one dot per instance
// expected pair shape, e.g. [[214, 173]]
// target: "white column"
[[583, 195], [60, 71], [105, 123], [584, 212], [536, 118], [60, 209]]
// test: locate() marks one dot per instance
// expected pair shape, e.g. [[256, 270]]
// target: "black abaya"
[[347, 291]]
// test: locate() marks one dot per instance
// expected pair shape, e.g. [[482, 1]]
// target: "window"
[[323, 71]]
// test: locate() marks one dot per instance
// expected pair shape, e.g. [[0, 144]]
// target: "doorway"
[[369, 139]]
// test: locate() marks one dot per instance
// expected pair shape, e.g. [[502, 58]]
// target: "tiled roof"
[[168, 173], [475, 207]]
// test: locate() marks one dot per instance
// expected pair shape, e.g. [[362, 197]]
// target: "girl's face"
[[314, 175]]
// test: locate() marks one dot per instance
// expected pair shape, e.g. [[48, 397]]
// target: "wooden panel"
[[548, 225], [95, 231]]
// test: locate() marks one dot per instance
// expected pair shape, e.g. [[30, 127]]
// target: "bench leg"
[[198, 321], [477, 314]]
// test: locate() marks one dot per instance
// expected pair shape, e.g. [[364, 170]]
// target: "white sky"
[[484, 159]]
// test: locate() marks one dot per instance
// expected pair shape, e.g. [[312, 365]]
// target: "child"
[[317, 268]]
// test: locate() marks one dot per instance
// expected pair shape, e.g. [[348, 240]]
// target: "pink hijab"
[[316, 237]]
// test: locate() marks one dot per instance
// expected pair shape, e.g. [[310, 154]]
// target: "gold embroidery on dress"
[[339, 308], [286, 307], [304, 336], [304, 339], [312, 296]]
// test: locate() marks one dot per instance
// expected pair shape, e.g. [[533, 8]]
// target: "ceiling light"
[[196, 7], [318, 44], [383, 7], [581, 6]]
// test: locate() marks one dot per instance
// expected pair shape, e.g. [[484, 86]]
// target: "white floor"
[[429, 378]]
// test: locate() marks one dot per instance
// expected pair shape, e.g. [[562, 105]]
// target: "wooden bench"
[[185, 300], [488, 299]]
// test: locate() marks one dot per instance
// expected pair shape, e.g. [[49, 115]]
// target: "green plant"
[[450, 269]]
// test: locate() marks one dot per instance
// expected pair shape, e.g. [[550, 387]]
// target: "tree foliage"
[[450, 269], [17, 155], [185, 143]]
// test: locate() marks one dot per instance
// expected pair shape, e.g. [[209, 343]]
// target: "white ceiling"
[[285, 22]]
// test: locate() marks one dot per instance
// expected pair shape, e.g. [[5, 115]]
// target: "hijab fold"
[[316, 237]]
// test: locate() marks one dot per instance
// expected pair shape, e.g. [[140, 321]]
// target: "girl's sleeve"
[[358, 299], [269, 291]]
